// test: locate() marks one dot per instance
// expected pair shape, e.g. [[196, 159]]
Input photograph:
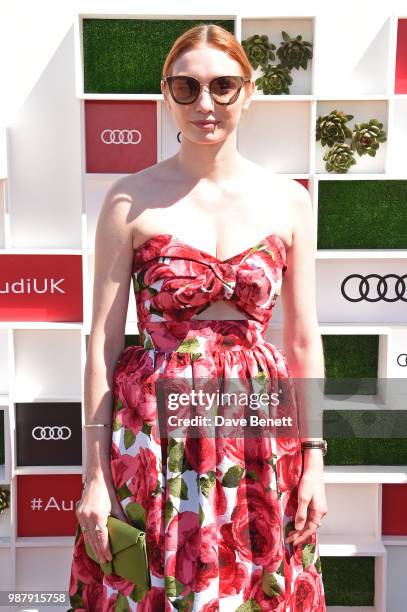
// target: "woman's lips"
[[205, 124]]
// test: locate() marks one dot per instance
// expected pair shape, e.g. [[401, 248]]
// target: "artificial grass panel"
[[127, 55], [353, 359], [365, 437], [366, 423], [366, 451], [132, 339], [348, 581], [2, 454], [359, 214]]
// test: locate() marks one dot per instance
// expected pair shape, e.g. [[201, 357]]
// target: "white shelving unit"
[[49, 204]]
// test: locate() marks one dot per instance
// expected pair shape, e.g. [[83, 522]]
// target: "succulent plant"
[[275, 80], [259, 50], [331, 128], [4, 499], [294, 52], [339, 159], [367, 137]]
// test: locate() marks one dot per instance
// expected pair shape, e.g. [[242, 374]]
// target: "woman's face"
[[205, 63]]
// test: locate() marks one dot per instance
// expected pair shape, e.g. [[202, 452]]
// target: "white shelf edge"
[[50, 399], [40, 325], [257, 97], [347, 474], [29, 470], [44, 541], [350, 546], [394, 540], [339, 254], [35, 251]]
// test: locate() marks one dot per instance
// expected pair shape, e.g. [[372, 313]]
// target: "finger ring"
[[83, 529], [98, 527], [317, 524]]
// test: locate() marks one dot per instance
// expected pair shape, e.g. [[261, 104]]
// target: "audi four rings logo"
[[402, 360], [51, 433], [120, 136], [397, 291]]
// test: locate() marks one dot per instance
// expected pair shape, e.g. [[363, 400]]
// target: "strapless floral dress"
[[215, 507]]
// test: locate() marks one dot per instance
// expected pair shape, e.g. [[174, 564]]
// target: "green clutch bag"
[[129, 553]]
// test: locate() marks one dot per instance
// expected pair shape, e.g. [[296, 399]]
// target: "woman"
[[206, 236]]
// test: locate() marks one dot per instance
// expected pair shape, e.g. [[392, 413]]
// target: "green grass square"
[[127, 55], [351, 363], [348, 581], [362, 214]]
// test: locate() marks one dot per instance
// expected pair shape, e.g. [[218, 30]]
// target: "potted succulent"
[[332, 130], [276, 77]]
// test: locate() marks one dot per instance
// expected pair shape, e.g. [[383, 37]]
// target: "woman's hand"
[[98, 500], [312, 505]]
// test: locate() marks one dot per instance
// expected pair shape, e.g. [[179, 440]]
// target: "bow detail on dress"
[[217, 282]]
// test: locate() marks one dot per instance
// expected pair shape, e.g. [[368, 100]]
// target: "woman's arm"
[[304, 351], [302, 338], [112, 276]]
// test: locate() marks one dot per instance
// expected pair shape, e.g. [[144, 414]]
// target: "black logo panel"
[[48, 433]]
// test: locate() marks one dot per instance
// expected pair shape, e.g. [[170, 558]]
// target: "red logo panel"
[[41, 288], [120, 136], [46, 504], [400, 86], [394, 504], [303, 182]]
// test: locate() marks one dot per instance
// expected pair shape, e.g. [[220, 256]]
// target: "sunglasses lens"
[[184, 89], [224, 88]]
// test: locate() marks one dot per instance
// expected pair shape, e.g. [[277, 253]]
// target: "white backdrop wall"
[[42, 166]]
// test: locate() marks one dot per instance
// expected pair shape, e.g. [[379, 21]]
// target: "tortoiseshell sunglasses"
[[223, 89]]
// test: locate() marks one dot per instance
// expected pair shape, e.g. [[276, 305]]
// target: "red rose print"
[[214, 501]]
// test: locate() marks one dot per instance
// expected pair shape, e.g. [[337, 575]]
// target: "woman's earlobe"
[[162, 87], [165, 99]]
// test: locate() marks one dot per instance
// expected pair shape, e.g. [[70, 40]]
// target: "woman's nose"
[[204, 99]]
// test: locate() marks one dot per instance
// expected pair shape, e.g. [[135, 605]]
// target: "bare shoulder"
[[293, 190], [296, 190], [287, 199], [116, 203], [297, 201], [145, 185], [140, 192], [301, 206]]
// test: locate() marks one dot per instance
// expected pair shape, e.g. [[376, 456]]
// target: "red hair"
[[213, 35]]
